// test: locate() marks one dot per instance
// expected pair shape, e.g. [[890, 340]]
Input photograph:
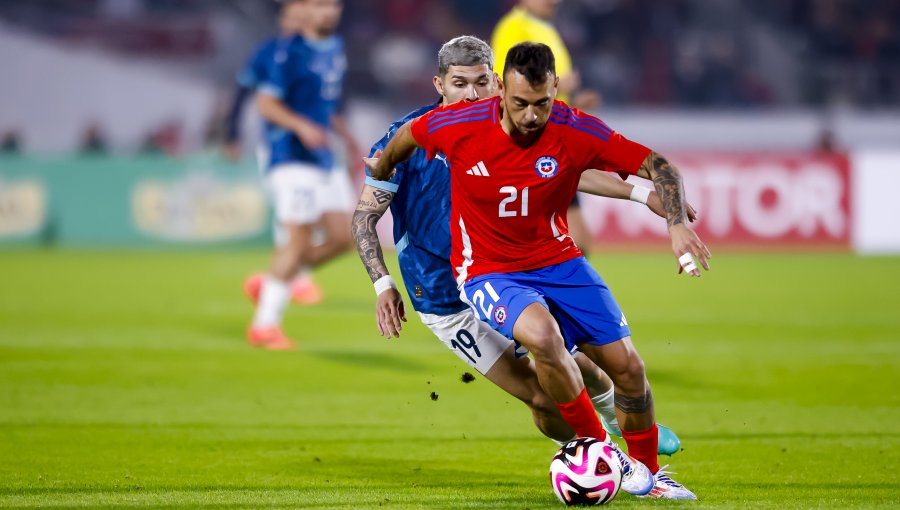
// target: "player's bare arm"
[[389, 308], [400, 148], [685, 242], [275, 111], [373, 202], [604, 184]]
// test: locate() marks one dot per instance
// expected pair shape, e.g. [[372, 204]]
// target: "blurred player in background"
[[515, 163], [301, 100], [532, 20], [256, 71], [419, 198]]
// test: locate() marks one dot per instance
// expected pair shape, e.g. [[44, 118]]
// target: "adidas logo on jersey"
[[479, 169]]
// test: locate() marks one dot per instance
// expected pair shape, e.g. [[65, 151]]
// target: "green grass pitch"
[[125, 381]]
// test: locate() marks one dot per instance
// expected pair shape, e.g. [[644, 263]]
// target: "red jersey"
[[509, 202]]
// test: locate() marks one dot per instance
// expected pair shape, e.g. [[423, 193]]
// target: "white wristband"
[[639, 194], [384, 283]]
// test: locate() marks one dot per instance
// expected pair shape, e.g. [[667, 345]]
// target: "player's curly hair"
[[532, 60]]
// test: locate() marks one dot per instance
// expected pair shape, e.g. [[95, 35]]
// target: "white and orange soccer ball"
[[586, 471]]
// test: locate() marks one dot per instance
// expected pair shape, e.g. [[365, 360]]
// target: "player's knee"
[[547, 345], [630, 376]]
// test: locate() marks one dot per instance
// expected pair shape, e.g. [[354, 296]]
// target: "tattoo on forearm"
[[668, 184], [371, 206], [634, 405], [382, 196], [367, 243]]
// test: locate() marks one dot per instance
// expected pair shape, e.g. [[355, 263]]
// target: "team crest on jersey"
[[546, 166], [500, 315]]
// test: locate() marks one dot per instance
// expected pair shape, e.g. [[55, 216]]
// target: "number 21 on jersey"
[[512, 194]]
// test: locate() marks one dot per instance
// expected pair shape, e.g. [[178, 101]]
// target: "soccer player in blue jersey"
[[419, 198], [301, 102], [291, 20], [255, 73]]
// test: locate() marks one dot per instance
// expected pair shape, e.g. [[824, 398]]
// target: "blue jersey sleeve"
[[255, 71], [276, 83], [394, 183]]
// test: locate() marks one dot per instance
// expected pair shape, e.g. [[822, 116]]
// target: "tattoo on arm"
[[382, 196], [668, 184], [634, 405], [371, 207]]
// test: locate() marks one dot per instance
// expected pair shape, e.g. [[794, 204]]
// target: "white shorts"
[[302, 193], [473, 340]]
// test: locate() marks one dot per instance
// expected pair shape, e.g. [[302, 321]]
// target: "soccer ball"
[[585, 471]]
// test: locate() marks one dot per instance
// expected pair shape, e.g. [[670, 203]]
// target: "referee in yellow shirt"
[[530, 20]]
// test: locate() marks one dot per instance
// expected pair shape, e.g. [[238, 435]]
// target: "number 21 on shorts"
[[482, 304]]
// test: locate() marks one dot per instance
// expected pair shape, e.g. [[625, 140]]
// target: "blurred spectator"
[[10, 142], [166, 140], [93, 141], [694, 53], [826, 143]]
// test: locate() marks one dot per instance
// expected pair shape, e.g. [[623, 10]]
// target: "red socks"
[[643, 445], [580, 415]]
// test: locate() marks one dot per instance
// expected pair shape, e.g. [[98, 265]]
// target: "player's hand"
[[311, 134], [656, 205], [389, 312], [232, 151], [372, 164], [688, 249]]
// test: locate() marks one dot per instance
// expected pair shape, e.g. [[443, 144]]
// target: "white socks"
[[605, 404], [273, 299], [304, 273]]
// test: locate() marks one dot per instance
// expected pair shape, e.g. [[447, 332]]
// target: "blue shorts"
[[572, 291]]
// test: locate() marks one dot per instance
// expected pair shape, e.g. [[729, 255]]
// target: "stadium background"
[[124, 378]]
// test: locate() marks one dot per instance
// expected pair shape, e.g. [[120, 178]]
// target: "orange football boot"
[[271, 338]]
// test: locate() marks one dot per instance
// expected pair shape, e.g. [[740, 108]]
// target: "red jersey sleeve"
[[600, 147], [618, 154], [419, 130]]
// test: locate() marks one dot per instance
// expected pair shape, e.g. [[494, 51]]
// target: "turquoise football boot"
[[669, 444]]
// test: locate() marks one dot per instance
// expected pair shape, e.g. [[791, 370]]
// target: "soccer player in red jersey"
[[515, 164]]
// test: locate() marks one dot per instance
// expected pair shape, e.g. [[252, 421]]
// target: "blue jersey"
[[421, 211], [254, 74], [308, 76], [256, 71]]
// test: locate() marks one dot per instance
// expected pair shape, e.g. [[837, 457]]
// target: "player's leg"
[[496, 358], [600, 388], [296, 210], [518, 311], [336, 198], [634, 405], [602, 392], [335, 194], [336, 241], [590, 316]]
